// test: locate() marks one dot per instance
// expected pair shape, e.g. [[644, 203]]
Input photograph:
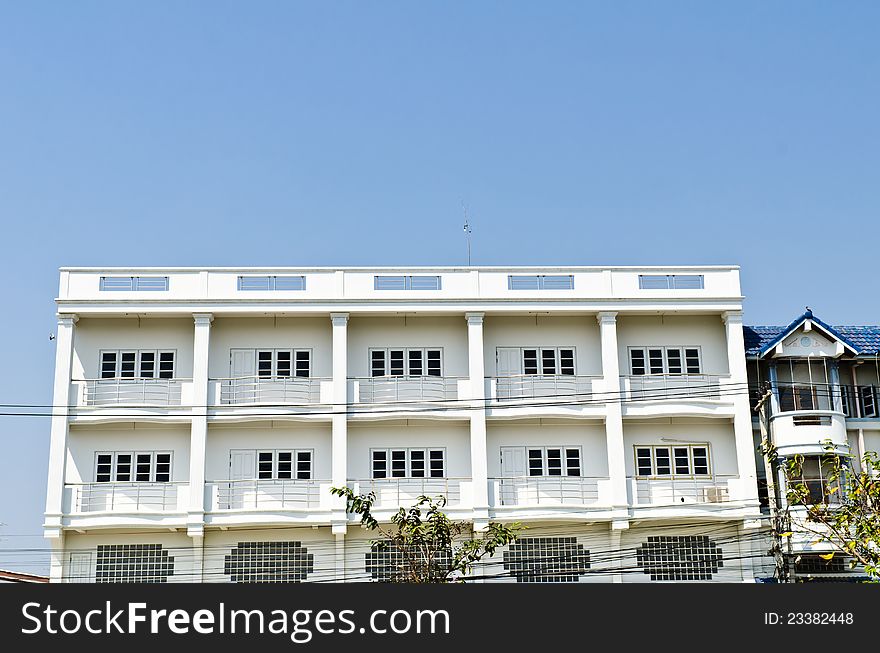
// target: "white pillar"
[[56, 560], [199, 432], [339, 436], [613, 413], [340, 557], [742, 416], [477, 383], [64, 338]]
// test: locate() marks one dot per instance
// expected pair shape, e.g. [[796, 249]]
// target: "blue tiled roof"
[[865, 339]]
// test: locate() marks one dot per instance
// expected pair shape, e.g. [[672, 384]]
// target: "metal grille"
[[547, 560], [269, 562], [133, 563], [134, 283], [671, 281], [271, 282], [689, 557], [387, 563], [405, 282], [540, 282]]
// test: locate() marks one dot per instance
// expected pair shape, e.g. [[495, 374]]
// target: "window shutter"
[[242, 363]]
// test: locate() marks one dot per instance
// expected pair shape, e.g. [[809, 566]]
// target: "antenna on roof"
[[467, 231]]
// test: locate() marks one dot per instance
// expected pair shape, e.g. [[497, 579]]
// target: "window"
[[281, 464], [547, 560], [406, 362], [408, 463], [269, 562], [672, 461], [406, 282], [286, 282], [127, 466], [548, 361], [554, 461], [137, 364], [133, 563], [664, 360], [815, 472], [868, 397], [671, 281], [797, 397], [671, 557], [540, 282], [283, 363], [136, 284]]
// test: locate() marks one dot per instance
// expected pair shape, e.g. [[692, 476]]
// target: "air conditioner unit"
[[715, 494]]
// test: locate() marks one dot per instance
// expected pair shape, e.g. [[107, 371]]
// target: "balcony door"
[[513, 471], [242, 474]]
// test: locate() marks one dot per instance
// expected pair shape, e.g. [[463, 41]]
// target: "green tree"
[[427, 546], [834, 502]]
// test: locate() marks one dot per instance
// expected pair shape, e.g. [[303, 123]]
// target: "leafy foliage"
[[836, 503], [428, 546]]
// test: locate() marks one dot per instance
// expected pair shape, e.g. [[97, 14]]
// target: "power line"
[[711, 392]]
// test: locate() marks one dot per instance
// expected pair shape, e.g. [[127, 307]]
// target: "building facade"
[[201, 417], [819, 385]]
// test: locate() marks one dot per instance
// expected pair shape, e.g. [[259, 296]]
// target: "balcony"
[[402, 389], [806, 415], [677, 387], [269, 494], [289, 390], [131, 392], [393, 493], [557, 387], [126, 497], [672, 492], [532, 491]]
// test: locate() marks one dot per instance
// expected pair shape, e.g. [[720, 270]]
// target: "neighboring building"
[[210, 411], [824, 384]]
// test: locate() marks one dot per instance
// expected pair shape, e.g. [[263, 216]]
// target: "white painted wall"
[[718, 433], [453, 436], [85, 441], [448, 333], [589, 436], [705, 331], [262, 435], [270, 333], [96, 334], [581, 332]]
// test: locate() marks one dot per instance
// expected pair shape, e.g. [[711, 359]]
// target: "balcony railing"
[[672, 387], [124, 497], [548, 491], [270, 390], [268, 494], [390, 389], [147, 392], [403, 492], [678, 491], [558, 387]]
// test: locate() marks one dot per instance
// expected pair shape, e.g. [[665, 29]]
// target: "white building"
[[824, 384], [210, 411]]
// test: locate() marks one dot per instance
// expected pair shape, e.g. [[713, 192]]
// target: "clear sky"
[[349, 133]]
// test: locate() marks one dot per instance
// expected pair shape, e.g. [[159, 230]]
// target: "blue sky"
[[348, 133]]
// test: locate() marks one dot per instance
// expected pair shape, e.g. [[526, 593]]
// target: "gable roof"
[[862, 340]]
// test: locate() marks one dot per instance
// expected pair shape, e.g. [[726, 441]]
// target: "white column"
[[742, 417], [199, 433], [64, 338], [477, 383], [339, 436], [613, 413]]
